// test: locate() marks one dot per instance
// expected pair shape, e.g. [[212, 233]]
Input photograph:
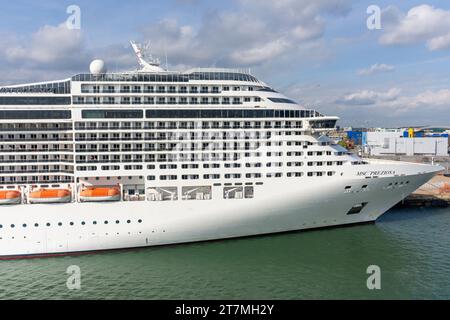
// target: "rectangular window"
[[357, 208], [34, 101], [217, 113], [34, 114], [112, 114]]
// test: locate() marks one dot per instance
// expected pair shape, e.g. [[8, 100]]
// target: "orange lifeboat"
[[49, 196], [100, 194], [10, 196]]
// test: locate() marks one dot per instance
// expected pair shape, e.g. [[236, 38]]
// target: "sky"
[[320, 53]]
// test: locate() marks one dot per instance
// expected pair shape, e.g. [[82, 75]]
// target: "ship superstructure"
[[117, 160]]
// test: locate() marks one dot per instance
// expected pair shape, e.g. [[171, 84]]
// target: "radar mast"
[[145, 59]]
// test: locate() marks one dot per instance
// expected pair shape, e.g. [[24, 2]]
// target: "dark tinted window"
[[226, 113], [112, 114], [49, 87], [34, 114], [317, 124], [281, 100], [140, 77], [267, 89], [35, 100]]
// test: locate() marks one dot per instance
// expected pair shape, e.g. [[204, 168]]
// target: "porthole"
[[48, 224], [128, 221], [94, 222], [24, 225], [12, 226], [117, 221], [106, 221], [83, 223], [60, 224], [71, 223], [139, 220], [1, 226], [36, 224]]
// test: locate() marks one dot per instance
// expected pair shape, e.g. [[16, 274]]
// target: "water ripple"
[[412, 248]]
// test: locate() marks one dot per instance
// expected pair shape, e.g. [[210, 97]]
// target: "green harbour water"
[[411, 247]]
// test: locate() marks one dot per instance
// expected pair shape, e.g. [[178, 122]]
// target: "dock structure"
[[434, 193]]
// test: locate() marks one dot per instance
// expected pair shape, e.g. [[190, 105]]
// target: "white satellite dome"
[[97, 67]]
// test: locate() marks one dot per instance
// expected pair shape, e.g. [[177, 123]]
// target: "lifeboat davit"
[[10, 196], [49, 196], [100, 194]]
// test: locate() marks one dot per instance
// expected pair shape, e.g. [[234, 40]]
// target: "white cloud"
[[442, 42], [368, 97], [375, 69], [392, 102], [253, 33], [256, 32], [436, 99], [260, 54], [422, 23], [388, 108], [309, 32], [54, 52], [48, 45]]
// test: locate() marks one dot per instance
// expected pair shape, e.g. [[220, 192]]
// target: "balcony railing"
[[36, 150]]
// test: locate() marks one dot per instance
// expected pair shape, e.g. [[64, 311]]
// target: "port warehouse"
[[426, 141]]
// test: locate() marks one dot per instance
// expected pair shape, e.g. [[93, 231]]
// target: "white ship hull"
[[296, 204], [204, 154]]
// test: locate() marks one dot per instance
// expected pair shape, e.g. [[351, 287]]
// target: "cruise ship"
[[104, 161]]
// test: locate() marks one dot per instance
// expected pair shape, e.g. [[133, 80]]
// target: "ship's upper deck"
[[210, 88], [197, 74], [202, 74], [48, 87]]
